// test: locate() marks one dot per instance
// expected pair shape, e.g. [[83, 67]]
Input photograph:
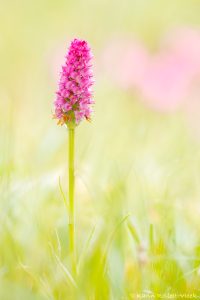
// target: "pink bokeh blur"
[[164, 79]]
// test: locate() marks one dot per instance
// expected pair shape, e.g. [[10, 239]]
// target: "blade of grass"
[[66, 272], [110, 240], [63, 195], [151, 237], [58, 243], [85, 248], [133, 232]]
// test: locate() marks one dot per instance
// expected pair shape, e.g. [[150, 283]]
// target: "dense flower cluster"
[[74, 96]]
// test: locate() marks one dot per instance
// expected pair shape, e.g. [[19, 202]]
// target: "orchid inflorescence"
[[74, 96]]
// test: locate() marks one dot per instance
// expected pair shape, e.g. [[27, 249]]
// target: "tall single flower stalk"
[[73, 104]]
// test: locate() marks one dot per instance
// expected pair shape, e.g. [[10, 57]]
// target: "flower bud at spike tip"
[[74, 96]]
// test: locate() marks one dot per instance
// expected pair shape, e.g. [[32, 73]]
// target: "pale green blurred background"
[[131, 159]]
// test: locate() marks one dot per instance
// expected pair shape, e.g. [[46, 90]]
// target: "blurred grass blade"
[[46, 291], [63, 194], [66, 272], [151, 237], [110, 240], [133, 232], [58, 243], [86, 246], [68, 275]]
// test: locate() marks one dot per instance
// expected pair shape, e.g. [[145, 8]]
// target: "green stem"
[[71, 200]]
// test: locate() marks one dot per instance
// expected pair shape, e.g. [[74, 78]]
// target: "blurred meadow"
[[137, 162]]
